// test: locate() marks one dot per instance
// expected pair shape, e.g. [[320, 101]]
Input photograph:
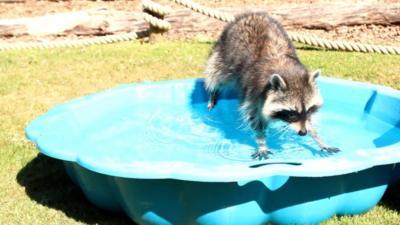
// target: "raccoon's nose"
[[302, 132]]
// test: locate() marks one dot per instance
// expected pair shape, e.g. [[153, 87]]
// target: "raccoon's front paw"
[[212, 102], [330, 149], [262, 153], [210, 105]]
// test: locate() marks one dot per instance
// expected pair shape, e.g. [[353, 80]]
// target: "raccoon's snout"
[[300, 127], [302, 132]]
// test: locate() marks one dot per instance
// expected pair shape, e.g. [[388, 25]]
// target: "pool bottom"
[[287, 200]]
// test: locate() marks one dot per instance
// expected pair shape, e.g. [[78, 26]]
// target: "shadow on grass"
[[47, 183], [309, 48], [391, 198]]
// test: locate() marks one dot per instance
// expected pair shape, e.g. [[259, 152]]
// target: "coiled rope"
[[153, 13], [151, 9]]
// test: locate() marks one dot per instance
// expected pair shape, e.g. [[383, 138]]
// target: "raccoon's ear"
[[314, 75], [276, 82]]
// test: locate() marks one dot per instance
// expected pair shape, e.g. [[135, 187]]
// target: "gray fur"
[[255, 56]]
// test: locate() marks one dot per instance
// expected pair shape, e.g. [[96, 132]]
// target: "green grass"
[[34, 189]]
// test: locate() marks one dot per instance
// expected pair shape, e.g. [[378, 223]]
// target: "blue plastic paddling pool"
[[154, 151]]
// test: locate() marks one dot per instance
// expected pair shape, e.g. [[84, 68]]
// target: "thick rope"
[[309, 40], [156, 8], [205, 11], [69, 43], [154, 21], [343, 45]]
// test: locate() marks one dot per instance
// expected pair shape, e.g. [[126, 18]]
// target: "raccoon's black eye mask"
[[292, 116], [312, 109], [289, 116]]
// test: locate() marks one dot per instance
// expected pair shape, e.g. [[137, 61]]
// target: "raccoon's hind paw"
[[330, 149], [262, 153]]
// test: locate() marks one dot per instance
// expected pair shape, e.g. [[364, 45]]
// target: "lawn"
[[35, 189]]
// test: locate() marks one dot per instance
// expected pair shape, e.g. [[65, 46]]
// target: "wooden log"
[[329, 16], [12, 1], [9, 31], [105, 21], [99, 21], [312, 16]]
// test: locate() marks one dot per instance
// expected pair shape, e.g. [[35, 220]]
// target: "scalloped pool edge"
[[287, 200]]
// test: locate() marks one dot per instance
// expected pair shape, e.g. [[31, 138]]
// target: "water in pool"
[[192, 134]]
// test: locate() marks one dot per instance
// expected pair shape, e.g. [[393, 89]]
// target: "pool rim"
[[184, 171]]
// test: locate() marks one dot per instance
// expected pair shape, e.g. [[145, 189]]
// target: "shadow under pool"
[[47, 183]]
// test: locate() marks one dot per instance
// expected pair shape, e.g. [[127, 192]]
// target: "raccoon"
[[255, 56]]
